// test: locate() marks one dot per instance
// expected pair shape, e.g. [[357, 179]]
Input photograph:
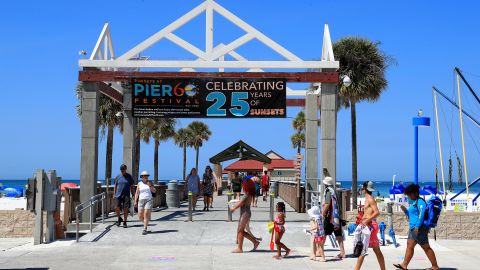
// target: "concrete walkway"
[[206, 244]]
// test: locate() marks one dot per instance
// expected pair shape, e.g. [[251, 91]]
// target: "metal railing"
[[314, 198], [88, 205]]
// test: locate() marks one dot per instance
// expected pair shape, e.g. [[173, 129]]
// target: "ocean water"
[[23, 183], [382, 187]]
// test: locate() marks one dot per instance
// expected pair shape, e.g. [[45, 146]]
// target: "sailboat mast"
[[439, 143], [462, 133]]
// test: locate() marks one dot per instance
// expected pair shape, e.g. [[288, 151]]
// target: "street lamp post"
[[419, 121]]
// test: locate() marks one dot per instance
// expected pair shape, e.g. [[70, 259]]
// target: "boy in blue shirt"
[[418, 233]]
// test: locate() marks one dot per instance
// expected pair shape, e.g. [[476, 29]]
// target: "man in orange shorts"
[[370, 213]]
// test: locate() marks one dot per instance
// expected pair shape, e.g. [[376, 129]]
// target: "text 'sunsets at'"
[[209, 98]]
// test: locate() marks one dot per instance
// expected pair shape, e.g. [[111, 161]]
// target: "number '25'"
[[239, 105]]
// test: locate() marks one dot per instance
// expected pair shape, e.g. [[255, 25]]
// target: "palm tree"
[[108, 121], [298, 139], [365, 64], [200, 133], [183, 138], [299, 122], [160, 129]]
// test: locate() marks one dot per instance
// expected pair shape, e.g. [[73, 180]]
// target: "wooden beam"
[[111, 92], [105, 76], [295, 102]]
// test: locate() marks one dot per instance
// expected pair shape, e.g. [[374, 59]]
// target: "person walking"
[[144, 200], [258, 188], [122, 190], [317, 234], [193, 185], [265, 185], [237, 185], [279, 227], [370, 214], [331, 215], [209, 185], [245, 215], [418, 233], [214, 180]]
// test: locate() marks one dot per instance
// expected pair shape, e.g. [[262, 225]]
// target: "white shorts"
[[145, 204]]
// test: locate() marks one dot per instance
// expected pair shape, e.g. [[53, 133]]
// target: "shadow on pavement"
[[163, 231], [107, 229]]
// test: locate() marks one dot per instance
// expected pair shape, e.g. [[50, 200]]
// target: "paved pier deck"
[[206, 244]]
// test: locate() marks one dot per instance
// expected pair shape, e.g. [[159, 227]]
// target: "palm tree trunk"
[[108, 164], [109, 153], [137, 158], [299, 146], [353, 113], [155, 163], [184, 162], [196, 158]]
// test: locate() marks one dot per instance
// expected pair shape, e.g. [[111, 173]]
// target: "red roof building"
[[279, 167]]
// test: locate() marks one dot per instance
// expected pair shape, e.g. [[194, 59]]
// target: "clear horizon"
[[39, 72]]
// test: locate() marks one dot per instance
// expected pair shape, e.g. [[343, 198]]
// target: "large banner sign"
[[212, 98]]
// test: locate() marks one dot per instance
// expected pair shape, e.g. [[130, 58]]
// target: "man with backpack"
[[421, 217]]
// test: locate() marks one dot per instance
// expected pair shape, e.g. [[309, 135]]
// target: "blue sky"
[[38, 70]]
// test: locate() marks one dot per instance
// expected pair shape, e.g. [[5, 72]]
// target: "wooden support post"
[[38, 233]]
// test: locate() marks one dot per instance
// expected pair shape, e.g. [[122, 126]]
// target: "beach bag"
[[361, 240], [433, 211], [258, 189], [335, 213]]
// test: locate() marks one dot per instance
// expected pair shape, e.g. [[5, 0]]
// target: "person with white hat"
[[318, 234], [330, 212], [144, 199]]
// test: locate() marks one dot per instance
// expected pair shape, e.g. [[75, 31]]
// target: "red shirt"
[[265, 180]]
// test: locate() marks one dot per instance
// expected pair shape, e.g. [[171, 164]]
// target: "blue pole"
[[415, 158]]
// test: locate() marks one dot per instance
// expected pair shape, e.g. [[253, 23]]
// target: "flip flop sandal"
[[398, 266]]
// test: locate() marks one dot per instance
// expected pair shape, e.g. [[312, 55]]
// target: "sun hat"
[[314, 212], [144, 173], [369, 186], [328, 181]]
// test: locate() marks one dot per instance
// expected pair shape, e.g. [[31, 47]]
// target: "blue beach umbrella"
[[428, 190]]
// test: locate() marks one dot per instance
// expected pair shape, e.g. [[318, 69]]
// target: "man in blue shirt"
[[122, 190], [418, 233]]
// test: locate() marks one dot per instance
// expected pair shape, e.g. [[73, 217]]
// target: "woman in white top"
[[144, 200]]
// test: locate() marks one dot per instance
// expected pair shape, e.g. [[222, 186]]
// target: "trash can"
[[173, 200]]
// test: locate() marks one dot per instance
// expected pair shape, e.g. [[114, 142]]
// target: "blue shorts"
[[422, 237]]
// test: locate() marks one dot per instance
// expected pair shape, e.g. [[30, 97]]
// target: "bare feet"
[[277, 257], [322, 259], [313, 258], [255, 246], [287, 253], [237, 250], [340, 256]]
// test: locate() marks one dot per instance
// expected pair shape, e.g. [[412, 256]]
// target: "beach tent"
[[397, 189], [64, 185]]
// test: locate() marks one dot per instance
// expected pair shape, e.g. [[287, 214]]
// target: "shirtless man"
[[369, 215]]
